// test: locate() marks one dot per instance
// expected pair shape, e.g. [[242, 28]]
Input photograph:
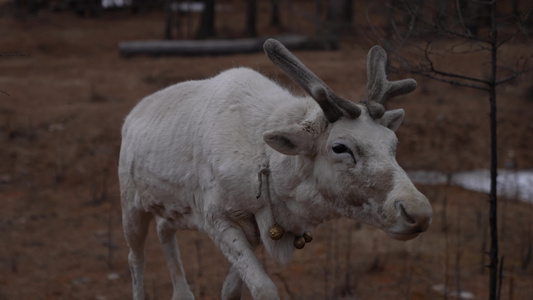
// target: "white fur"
[[191, 154]]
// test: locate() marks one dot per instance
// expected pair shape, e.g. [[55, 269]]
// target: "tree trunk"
[[467, 17], [348, 12], [168, 20], [493, 199], [207, 24], [274, 18], [251, 17], [318, 17], [335, 12], [442, 14]]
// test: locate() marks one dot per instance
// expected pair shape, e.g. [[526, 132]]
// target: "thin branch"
[[438, 27], [407, 34], [431, 74], [522, 20], [482, 2], [453, 82], [509, 78], [480, 47], [514, 72], [458, 76], [459, 13], [373, 28], [504, 41], [462, 35], [500, 276], [452, 75]]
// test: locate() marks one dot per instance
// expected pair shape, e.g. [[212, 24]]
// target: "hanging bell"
[[308, 237], [299, 242], [275, 232]]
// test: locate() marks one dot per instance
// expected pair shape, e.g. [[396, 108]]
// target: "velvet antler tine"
[[351, 109], [333, 106], [400, 87], [375, 73], [291, 65], [320, 94], [298, 72], [378, 88]]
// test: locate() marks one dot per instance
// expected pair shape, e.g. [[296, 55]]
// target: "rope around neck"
[[276, 231]]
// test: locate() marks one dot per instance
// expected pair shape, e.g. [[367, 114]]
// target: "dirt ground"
[[65, 92]]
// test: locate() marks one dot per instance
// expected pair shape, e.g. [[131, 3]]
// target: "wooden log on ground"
[[217, 47]]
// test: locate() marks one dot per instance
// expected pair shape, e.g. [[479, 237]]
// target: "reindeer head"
[[355, 167]]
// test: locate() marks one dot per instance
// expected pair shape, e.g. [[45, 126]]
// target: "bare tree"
[[339, 15], [348, 12], [251, 17], [274, 17], [475, 22], [207, 23]]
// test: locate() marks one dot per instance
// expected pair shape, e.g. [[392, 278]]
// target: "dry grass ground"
[[61, 109]]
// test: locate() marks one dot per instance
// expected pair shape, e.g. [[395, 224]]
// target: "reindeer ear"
[[290, 140], [392, 119]]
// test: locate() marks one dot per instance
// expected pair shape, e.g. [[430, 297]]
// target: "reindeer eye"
[[339, 148]]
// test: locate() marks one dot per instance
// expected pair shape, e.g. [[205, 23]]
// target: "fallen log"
[[218, 47]]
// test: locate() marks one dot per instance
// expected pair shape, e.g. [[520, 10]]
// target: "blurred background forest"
[[65, 90]]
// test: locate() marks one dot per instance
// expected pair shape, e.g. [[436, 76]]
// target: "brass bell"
[[299, 242], [275, 232], [308, 237]]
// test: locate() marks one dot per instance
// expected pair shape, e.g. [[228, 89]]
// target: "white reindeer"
[[245, 161]]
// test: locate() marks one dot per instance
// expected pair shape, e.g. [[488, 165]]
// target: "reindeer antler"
[[333, 106], [378, 88]]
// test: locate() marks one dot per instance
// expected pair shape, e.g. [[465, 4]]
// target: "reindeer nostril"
[[405, 215]]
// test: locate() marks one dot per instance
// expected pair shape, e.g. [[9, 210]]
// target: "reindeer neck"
[[295, 201]]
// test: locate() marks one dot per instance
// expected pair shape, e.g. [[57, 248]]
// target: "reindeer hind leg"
[[232, 288], [135, 225], [167, 238]]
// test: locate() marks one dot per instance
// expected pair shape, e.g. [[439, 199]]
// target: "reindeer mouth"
[[404, 236]]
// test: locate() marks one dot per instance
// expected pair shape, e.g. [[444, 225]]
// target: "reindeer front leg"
[[231, 240]]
